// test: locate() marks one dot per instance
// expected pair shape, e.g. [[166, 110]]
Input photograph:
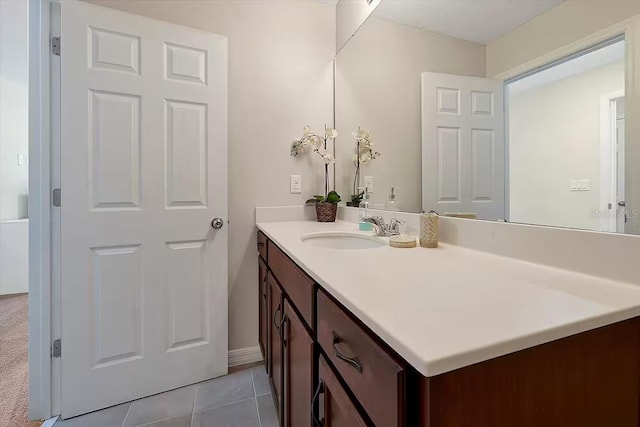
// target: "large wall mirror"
[[497, 110]]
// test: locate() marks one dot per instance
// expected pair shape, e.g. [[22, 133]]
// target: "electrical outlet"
[[368, 182], [295, 184]]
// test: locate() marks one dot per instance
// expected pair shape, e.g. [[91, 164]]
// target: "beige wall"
[[14, 109], [554, 137], [564, 24], [350, 15], [280, 78], [378, 89]]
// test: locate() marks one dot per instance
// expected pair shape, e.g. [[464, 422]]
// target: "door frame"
[[608, 162], [44, 222], [40, 226]]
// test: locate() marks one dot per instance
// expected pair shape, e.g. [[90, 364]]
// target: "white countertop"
[[446, 308]]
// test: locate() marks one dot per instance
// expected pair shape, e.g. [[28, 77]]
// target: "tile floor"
[[242, 399]]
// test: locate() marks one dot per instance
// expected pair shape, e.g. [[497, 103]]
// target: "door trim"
[[608, 160], [40, 368]]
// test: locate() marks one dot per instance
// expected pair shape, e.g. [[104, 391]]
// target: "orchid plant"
[[318, 144], [365, 153]]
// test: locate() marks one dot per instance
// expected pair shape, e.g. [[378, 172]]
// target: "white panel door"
[[143, 173], [463, 156]]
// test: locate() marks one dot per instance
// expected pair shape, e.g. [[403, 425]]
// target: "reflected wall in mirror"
[[514, 110]]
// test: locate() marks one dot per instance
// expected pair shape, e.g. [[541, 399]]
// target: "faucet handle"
[[394, 226], [395, 222]]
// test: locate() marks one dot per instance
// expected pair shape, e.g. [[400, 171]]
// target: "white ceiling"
[[480, 21], [590, 61]]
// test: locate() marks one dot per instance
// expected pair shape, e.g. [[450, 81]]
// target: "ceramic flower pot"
[[326, 212]]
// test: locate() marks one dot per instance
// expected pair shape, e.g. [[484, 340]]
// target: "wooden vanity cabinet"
[[262, 245], [291, 306], [333, 408], [298, 287], [275, 361], [298, 369], [374, 375], [589, 379], [320, 356], [263, 310]]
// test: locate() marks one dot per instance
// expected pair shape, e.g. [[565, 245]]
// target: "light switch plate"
[[295, 184], [20, 159], [368, 182], [580, 185]]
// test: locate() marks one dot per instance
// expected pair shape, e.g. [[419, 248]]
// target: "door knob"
[[622, 203], [217, 223]]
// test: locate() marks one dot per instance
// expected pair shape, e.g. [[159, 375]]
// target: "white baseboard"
[[243, 356], [50, 422]]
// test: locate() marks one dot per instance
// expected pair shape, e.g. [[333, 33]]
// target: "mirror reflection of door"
[[463, 146]]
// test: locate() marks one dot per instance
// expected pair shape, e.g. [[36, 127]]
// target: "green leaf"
[[316, 199], [333, 197]]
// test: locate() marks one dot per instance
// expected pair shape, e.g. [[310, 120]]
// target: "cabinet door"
[[263, 312], [333, 405], [275, 342], [298, 370]]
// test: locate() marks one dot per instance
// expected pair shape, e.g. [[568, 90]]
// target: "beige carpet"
[[14, 376]]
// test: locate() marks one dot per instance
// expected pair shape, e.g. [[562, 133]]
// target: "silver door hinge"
[[56, 198], [55, 46], [56, 348]]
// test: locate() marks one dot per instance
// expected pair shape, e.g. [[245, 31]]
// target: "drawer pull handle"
[[353, 361], [283, 332], [260, 244], [318, 422], [264, 281], [275, 314]]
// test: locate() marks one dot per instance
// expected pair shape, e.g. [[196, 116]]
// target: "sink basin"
[[343, 240]]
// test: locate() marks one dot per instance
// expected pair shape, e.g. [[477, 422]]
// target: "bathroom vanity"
[[441, 337]]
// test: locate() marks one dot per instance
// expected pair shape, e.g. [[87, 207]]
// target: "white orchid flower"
[[360, 134], [316, 141], [330, 133], [366, 157], [306, 131], [328, 158]]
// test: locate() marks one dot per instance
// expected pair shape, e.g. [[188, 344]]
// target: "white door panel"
[[463, 145], [143, 173]]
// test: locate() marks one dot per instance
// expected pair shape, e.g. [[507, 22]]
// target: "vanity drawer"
[[376, 377], [262, 245], [296, 284]]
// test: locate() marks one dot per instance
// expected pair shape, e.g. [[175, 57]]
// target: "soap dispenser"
[[364, 211], [392, 204]]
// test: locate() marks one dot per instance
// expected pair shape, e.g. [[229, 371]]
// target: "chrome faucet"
[[382, 229]]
